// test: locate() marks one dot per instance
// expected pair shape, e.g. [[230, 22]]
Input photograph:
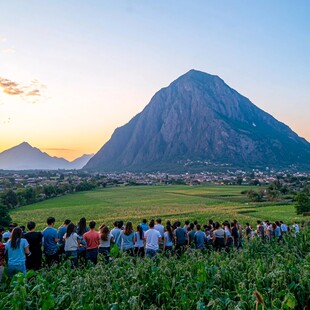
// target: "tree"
[[10, 199], [302, 203], [5, 218]]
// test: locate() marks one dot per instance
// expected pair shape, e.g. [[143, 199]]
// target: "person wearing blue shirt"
[[62, 230], [199, 238], [144, 225], [51, 238], [16, 248]]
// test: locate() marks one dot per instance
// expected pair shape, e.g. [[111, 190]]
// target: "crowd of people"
[[82, 243]]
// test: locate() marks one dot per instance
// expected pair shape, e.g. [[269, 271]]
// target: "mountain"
[[200, 118], [80, 162], [26, 157]]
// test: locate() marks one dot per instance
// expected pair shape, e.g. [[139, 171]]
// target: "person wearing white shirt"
[[152, 238], [296, 227]]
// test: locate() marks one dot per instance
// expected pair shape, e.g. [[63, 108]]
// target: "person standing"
[[105, 241], [160, 228], [168, 239], [61, 232], [34, 238], [180, 239], [17, 247], [152, 238], [127, 237], [144, 225], [115, 232], [72, 244], [50, 241], [92, 239], [199, 238], [139, 242]]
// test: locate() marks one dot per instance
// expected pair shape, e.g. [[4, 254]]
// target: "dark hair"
[[92, 224], [177, 224], [115, 223], [22, 227], [15, 237], [195, 222], [140, 230], [168, 223], [274, 226], [104, 233], [119, 224], [217, 225], [81, 226], [50, 220], [187, 222], [259, 222], [247, 224], [144, 221], [158, 220], [192, 226], [170, 233], [152, 224], [70, 229], [31, 225], [67, 222], [1, 229], [128, 229], [198, 227]]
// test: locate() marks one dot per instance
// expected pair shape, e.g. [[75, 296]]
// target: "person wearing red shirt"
[[92, 239]]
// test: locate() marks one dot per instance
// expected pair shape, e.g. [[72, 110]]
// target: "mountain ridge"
[[26, 157]]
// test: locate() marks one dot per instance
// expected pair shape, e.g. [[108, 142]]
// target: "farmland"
[[168, 202], [212, 280]]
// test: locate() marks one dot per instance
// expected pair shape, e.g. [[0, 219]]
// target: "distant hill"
[[26, 157], [199, 118]]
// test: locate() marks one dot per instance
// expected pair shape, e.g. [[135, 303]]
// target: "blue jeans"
[[13, 269], [92, 255], [73, 255], [151, 253]]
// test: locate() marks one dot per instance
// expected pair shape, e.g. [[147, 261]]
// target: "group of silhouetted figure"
[[81, 244]]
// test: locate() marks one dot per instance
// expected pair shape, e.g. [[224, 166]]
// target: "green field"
[[168, 202], [280, 272]]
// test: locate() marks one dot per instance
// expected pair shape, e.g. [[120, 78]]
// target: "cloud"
[[13, 88], [8, 51], [2, 39]]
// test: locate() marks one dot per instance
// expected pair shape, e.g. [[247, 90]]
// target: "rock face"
[[199, 117], [26, 157]]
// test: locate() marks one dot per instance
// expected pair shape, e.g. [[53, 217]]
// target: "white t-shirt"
[[160, 228], [71, 243], [296, 227], [139, 243], [151, 236], [105, 244]]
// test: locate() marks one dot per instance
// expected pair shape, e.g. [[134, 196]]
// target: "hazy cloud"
[[13, 88], [8, 51], [2, 39]]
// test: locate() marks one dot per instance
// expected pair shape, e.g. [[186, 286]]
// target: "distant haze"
[[26, 157]]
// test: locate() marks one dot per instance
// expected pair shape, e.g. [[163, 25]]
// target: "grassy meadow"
[[279, 272], [168, 202]]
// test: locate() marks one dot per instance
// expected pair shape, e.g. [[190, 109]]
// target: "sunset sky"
[[72, 71]]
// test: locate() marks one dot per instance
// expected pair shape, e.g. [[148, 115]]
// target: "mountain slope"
[[199, 117], [26, 157]]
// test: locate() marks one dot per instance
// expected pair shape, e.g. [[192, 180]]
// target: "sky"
[[73, 71]]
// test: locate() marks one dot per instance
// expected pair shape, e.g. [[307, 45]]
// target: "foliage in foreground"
[[280, 273]]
